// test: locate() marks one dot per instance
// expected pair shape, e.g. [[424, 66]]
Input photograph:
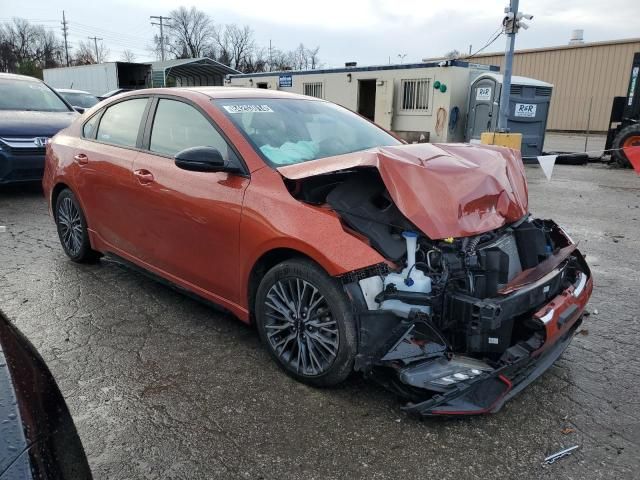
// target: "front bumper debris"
[[487, 394], [411, 358]]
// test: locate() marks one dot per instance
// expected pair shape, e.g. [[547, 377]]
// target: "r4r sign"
[[527, 110]]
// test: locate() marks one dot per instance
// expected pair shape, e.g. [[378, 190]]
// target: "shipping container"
[[100, 78]]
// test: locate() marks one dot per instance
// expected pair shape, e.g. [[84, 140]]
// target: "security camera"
[[523, 25], [528, 16]]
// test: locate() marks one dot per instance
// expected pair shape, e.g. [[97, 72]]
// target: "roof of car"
[[15, 76], [223, 92], [70, 90], [243, 92]]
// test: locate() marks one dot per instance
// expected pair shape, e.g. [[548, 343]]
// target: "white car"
[[78, 99]]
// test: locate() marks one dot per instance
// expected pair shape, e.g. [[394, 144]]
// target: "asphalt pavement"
[[162, 386]]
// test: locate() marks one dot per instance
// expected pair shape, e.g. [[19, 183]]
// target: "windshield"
[[287, 131], [26, 95], [77, 99]]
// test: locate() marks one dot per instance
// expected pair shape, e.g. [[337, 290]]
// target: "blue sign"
[[285, 81]]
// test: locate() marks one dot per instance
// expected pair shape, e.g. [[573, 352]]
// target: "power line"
[[64, 33], [106, 32], [95, 42], [481, 49], [160, 19]]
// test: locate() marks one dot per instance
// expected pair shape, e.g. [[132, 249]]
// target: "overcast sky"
[[367, 31]]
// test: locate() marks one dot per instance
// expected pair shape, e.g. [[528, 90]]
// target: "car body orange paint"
[[202, 231]]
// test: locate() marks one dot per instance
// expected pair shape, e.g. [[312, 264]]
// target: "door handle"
[[144, 176], [81, 159]]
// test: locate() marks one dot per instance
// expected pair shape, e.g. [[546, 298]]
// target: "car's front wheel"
[[72, 229], [306, 322]]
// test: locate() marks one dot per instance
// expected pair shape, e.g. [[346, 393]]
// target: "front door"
[[384, 103], [187, 223], [367, 98]]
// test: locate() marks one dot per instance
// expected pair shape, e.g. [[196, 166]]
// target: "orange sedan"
[[418, 265]]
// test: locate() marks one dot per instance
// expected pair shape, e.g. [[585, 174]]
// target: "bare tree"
[[234, 46], [452, 55], [128, 56], [314, 60], [48, 48], [27, 48], [86, 53], [155, 47], [256, 61], [190, 32]]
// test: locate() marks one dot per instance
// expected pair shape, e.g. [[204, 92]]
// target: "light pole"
[[401, 57], [512, 23]]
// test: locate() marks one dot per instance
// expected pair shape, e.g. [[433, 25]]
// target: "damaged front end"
[[486, 333], [459, 319]]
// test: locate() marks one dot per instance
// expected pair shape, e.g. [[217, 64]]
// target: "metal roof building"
[[189, 72], [586, 77]]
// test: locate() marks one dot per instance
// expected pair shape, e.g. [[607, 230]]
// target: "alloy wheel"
[[300, 326], [70, 222]]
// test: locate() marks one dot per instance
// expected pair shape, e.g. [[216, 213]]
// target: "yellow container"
[[511, 140]]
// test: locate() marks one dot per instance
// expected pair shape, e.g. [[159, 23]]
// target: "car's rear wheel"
[[72, 229], [306, 322]]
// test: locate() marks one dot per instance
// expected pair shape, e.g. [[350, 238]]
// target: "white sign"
[[247, 108], [547, 162], [526, 110], [483, 93]]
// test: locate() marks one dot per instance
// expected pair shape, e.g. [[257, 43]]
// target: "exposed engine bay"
[[459, 318]]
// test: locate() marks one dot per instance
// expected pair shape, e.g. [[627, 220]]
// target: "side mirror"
[[202, 159], [78, 109]]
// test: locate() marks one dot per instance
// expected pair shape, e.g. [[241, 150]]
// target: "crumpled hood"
[[446, 190]]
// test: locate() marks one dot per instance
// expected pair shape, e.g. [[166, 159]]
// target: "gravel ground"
[[162, 386]]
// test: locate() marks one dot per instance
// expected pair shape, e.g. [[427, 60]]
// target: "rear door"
[[105, 156], [187, 223]]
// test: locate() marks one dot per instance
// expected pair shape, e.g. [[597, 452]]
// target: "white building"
[[420, 102]]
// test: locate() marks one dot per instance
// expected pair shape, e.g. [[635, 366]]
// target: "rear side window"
[[177, 126], [89, 128], [120, 123]]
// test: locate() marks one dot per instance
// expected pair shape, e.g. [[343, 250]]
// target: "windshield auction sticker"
[[247, 108]]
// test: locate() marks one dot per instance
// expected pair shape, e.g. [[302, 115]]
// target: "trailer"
[[625, 113], [101, 77]]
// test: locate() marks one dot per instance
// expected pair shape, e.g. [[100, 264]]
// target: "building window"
[[313, 89], [415, 94]]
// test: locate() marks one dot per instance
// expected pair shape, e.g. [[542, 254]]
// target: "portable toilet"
[[528, 109]]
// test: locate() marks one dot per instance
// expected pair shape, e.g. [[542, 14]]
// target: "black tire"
[[618, 142], [327, 333], [72, 229]]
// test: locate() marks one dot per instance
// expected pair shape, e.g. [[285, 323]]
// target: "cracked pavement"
[[163, 386]]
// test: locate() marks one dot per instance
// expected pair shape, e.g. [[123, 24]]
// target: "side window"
[[120, 123], [177, 126], [89, 128]]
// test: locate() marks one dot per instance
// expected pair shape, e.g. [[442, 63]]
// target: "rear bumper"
[[20, 168]]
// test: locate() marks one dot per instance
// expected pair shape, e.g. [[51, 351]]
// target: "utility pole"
[[161, 19], [95, 43], [64, 34], [512, 23]]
